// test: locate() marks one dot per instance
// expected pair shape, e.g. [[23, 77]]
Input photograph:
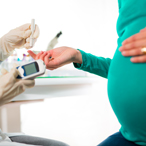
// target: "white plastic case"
[[42, 68]]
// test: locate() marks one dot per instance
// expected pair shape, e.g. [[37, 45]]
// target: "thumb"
[[28, 83], [24, 27], [14, 72], [26, 34], [33, 55]]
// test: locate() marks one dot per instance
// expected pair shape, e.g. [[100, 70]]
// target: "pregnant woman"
[[126, 75]]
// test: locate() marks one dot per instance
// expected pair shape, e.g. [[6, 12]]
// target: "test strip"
[[32, 29]]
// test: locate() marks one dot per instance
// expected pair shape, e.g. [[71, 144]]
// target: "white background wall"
[[89, 25], [86, 24]]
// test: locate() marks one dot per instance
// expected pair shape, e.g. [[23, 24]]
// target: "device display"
[[30, 69]]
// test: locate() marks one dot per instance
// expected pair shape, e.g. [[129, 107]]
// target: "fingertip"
[[27, 46], [124, 53], [124, 42], [32, 54], [29, 51], [121, 48], [132, 60]]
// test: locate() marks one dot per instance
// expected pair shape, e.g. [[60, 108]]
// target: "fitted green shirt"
[[126, 80]]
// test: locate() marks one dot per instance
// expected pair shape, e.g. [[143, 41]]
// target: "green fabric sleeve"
[[94, 64]]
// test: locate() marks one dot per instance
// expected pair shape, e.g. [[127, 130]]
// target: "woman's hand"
[[133, 47], [58, 57]]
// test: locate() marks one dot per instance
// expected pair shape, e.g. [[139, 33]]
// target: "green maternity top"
[[126, 80]]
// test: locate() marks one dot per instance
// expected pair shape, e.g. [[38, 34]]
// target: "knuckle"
[[133, 38], [141, 58], [132, 45], [138, 51], [144, 58]]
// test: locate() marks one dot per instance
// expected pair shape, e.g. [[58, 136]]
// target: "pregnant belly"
[[127, 93]]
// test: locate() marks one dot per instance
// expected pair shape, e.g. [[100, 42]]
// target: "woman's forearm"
[[91, 63]]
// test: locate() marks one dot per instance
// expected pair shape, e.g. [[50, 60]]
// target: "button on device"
[[20, 69]]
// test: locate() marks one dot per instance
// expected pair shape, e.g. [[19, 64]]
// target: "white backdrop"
[[86, 24], [89, 25]]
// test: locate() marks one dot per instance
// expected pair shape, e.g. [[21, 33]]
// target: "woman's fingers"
[[47, 58], [136, 37], [51, 63], [132, 52], [42, 56], [33, 55], [38, 55], [133, 45], [138, 59]]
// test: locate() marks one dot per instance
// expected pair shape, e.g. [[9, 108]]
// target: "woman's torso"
[[127, 80]]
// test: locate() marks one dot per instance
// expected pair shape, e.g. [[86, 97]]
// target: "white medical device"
[[32, 30], [31, 70]]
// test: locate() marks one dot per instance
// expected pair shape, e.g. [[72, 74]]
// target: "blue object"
[[117, 139]]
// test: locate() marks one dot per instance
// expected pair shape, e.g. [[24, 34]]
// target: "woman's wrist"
[[78, 57]]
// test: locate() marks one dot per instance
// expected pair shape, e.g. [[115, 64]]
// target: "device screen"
[[31, 68]]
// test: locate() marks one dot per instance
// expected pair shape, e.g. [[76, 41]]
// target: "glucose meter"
[[31, 70]]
